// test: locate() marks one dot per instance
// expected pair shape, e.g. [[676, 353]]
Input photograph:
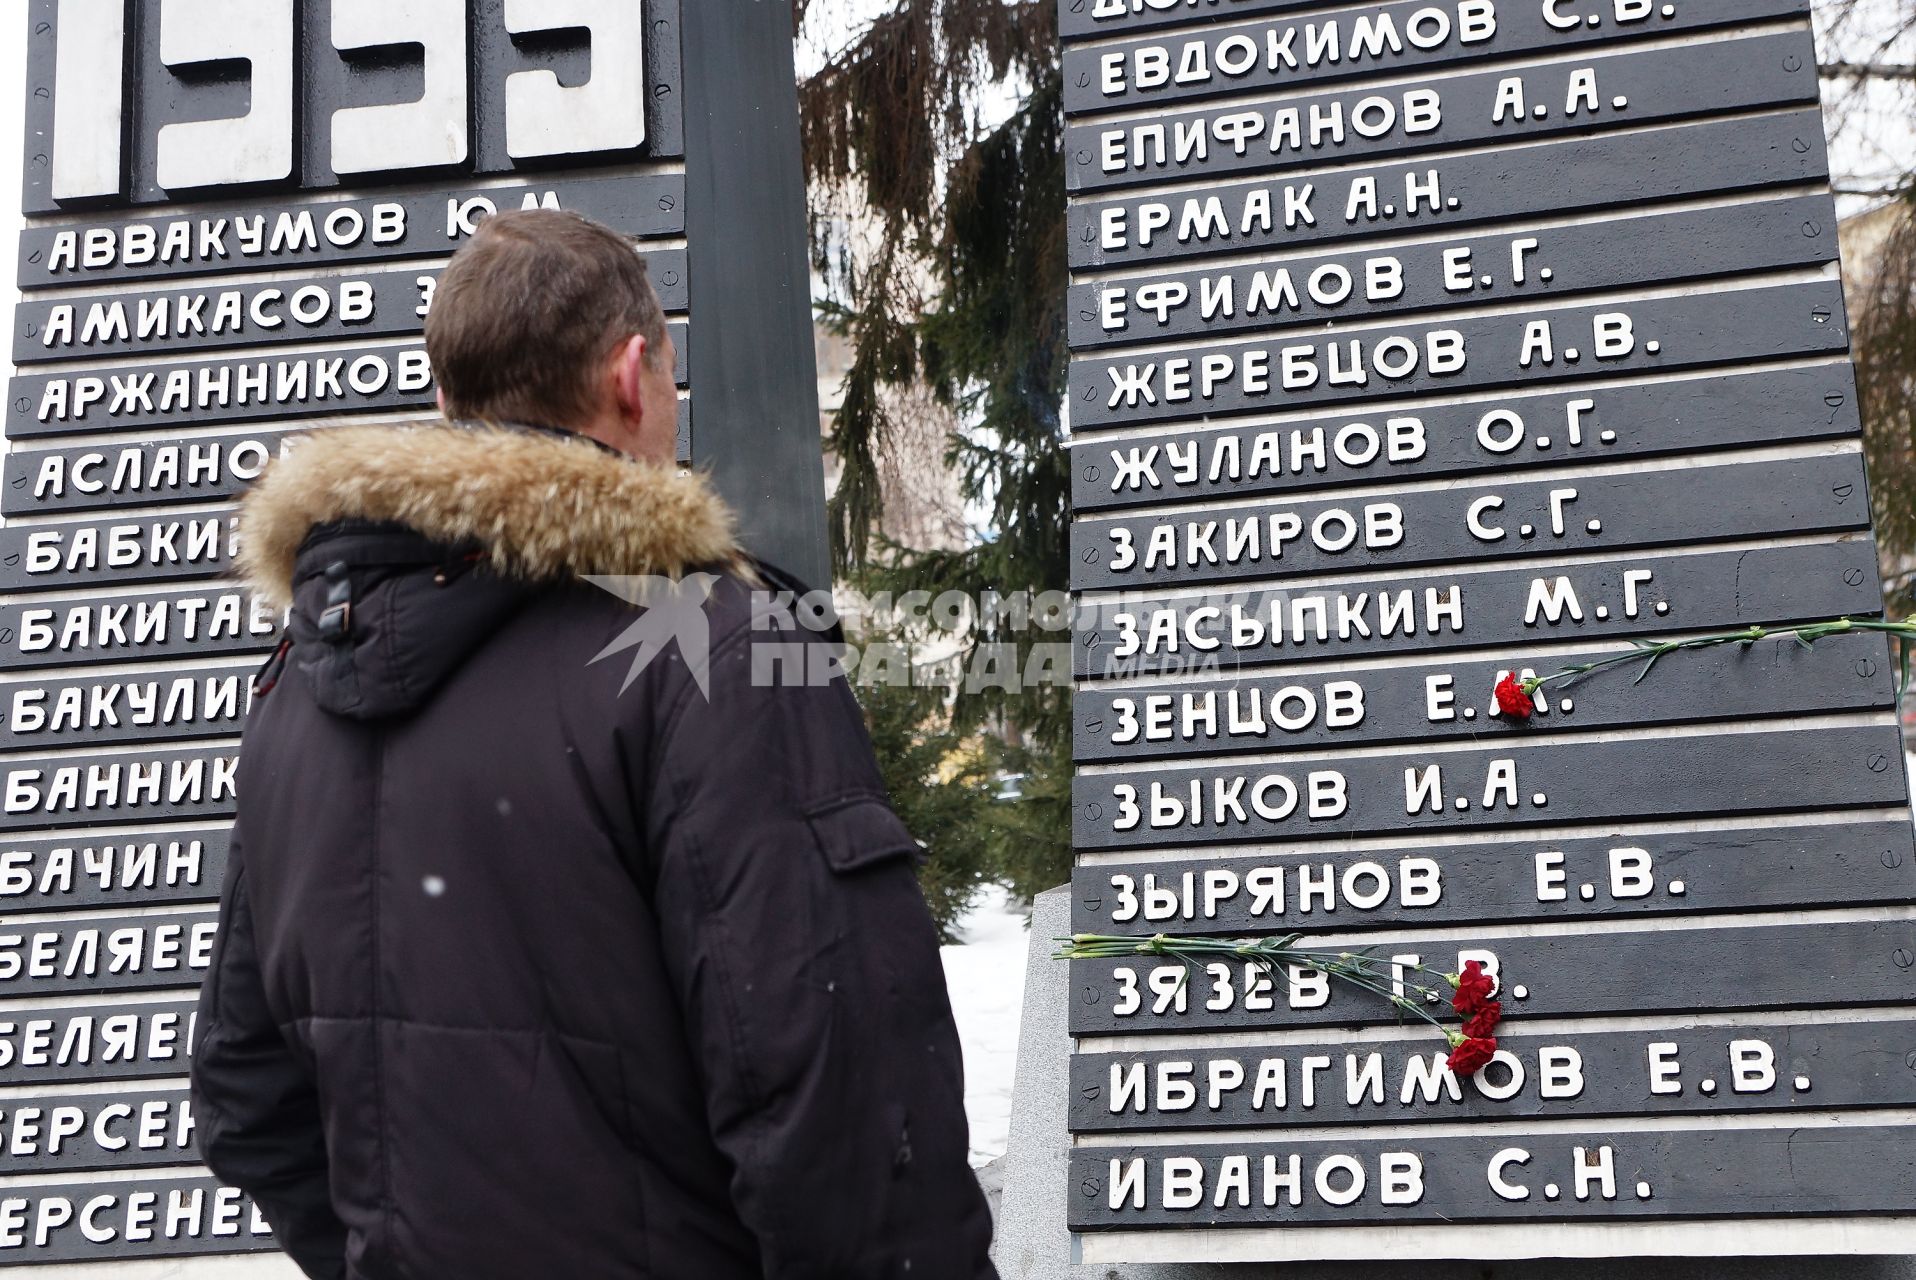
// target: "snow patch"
[[985, 973]]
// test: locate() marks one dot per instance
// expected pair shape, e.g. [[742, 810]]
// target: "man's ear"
[[628, 372]]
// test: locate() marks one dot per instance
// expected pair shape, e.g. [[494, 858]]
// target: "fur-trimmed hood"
[[543, 506]]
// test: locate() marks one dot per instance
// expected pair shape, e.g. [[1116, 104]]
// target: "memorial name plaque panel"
[[1438, 439], [1416, 347], [1628, 170], [1610, 91], [235, 231], [1402, 1081]]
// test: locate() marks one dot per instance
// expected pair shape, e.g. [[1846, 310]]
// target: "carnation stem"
[[1353, 968], [1650, 652]]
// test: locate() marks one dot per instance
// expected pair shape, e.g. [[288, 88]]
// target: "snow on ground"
[[986, 974]]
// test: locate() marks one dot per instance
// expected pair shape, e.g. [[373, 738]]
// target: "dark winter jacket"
[[523, 973]]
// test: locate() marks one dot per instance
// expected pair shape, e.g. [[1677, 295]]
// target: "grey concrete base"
[[1034, 1245]]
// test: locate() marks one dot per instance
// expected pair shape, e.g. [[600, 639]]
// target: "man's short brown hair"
[[526, 314]]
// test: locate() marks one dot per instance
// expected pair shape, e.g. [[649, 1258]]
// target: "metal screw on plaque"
[[11, 560], [32, 329], [1090, 1187], [667, 204], [35, 257], [21, 404], [1843, 491], [1820, 314], [1094, 726], [1094, 811], [1090, 555], [1084, 157], [1089, 234], [1090, 394], [1892, 859], [1878, 762], [1854, 577], [1792, 64], [1077, 6], [1812, 229], [1093, 473], [1903, 957], [662, 91], [1865, 667], [1084, 79], [1092, 904], [1087, 316], [6, 635], [1801, 147], [1090, 1092], [1089, 994], [19, 482]]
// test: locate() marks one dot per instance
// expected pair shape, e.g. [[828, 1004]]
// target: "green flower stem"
[[1650, 652], [1357, 969]]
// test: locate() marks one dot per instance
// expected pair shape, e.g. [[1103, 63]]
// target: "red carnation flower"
[[1471, 1054], [1473, 989], [1484, 1022], [1514, 700]]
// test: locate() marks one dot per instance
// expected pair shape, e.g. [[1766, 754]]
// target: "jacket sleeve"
[[806, 965], [255, 1105]]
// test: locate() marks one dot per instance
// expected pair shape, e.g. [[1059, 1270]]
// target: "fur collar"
[[547, 507]]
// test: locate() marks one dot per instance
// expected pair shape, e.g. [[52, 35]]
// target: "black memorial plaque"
[[121, 1130], [134, 786], [1622, 171], [1403, 38], [1215, 634], [106, 953], [1795, 1066], [1596, 512], [333, 233], [151, 867], [301, 309], [143, 627], [1615, 972], [127, 1221], [155, 704], [1452, 702], [1517, 784], [203, 468], [97, 553], [1778, 866], [1581, 95], [1426, 440], [175, 394], [1471, 352], [1106, 19], [1511, 266], [120, 1040], [1602, 1175]]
